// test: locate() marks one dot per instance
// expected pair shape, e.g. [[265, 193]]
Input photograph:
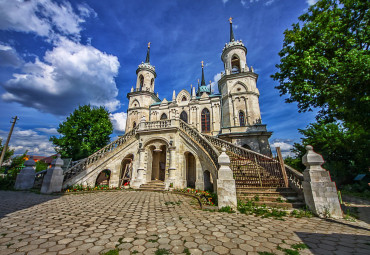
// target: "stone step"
[[274, 198]]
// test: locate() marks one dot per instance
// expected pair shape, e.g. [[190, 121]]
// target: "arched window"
[[235, 64], [183, 98], [241, 119], [141, 82], [246, 146], [206, 123], [163, 116], [134, 125], [184, 116]]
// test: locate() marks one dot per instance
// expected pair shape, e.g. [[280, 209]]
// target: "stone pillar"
[[26, 177], [172, 168], [320, 193], [226, 190], [140, 171], [53, 179]]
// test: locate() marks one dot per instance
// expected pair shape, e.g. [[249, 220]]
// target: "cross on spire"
[[231, 30], [147, 59]]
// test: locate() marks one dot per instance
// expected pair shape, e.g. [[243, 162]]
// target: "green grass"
[[186, 251], [227, 209], [111, 252], [162, 252], [265, 253], [295, 249]]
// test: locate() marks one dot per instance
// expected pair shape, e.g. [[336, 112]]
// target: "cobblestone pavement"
[[145, 222]]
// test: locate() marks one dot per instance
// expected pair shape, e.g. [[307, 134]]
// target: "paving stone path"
[[145, 222]]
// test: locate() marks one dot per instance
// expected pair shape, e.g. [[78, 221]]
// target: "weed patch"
[[162, 252], [227, 209]]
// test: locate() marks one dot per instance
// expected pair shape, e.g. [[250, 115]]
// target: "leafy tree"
[[325, 62], [8, 152], [16, 165], [41, 166], [85, 131], [340, 148]]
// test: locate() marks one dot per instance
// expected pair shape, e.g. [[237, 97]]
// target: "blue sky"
[[56, 55]]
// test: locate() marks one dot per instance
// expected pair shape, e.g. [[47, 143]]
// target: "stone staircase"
[[257, 179], [155, 185], [273, 197]]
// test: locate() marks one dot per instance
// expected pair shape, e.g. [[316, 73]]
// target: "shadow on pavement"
[[12, 201], [336, 243]]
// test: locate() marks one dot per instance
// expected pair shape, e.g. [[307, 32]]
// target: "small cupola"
[[203, 87]]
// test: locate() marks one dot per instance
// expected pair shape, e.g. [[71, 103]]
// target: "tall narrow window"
[[152, 85], [134, 125], [184, 116], [235, 64], [241, 119], [206, 123], [163, 116], [141, 82]]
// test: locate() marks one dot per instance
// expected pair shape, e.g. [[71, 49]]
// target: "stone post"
[[26, 177], [172, 168], [140, 171], [320, 193], [53, 179], [226, 190]]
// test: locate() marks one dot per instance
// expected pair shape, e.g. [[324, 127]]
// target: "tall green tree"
[[342, 150], [85, 131], [325, 62], [8, 152]]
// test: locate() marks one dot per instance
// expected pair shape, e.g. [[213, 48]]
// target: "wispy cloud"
[[119, 121], [29, 140], [311, 2]]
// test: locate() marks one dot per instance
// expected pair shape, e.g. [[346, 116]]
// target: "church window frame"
[[184, 116], [134, 125], [241, 119], [184, 99], [206, 120], [235, 62], [164, 116], [141, 82]]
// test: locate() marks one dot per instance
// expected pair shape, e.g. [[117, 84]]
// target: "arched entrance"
[[126, 170], [190, 170], [158, 162], [208, 182], [103, 178]]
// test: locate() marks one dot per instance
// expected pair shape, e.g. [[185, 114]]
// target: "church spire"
[[231, 30], [203, 83], [147, 60]]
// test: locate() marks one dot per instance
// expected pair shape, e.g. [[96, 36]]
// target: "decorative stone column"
[[140, 171], [172, 168], [226, 190], [320, 193], [53, 179], [26, 177]]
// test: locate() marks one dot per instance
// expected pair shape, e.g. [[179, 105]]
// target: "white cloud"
[[49, 131], [43, 17], [119, 121], [29, 140], [311, 2], [269, 2], [285, 147], [72, 74], [243, 2], [9, 56], [225, 1]]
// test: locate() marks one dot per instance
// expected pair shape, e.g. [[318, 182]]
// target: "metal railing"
[[84, 163], [251, 169], [199, 138]]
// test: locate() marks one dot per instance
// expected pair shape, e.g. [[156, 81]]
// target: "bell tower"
[[240, 111], [142, 96]]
